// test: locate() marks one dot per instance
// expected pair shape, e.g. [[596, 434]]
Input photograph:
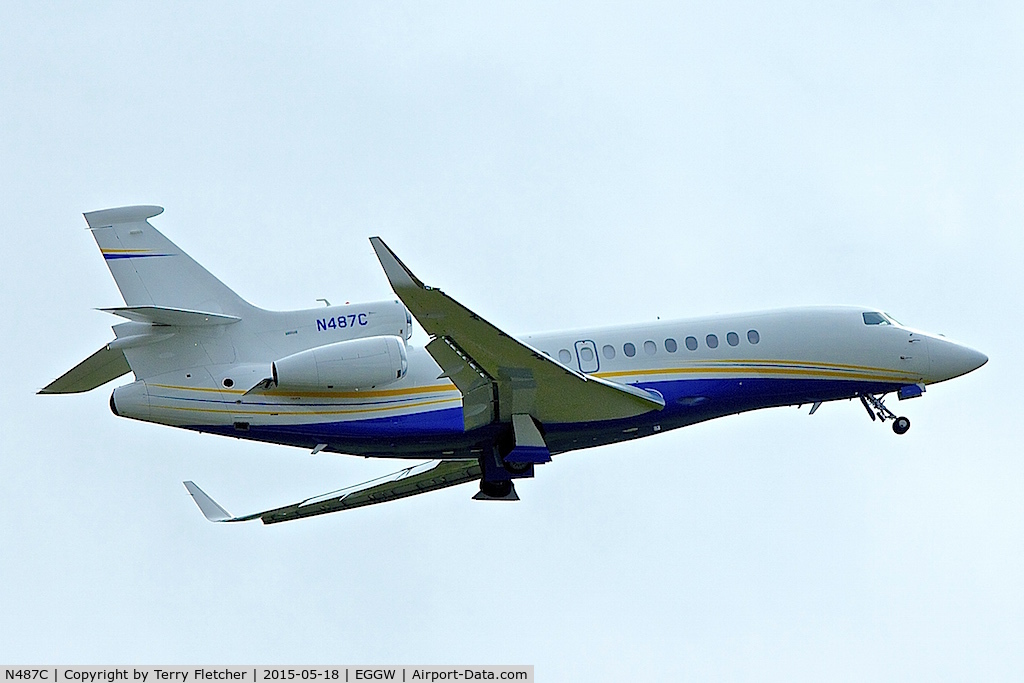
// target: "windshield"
[[879, 318]]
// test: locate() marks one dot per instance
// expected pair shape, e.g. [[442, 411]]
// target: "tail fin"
[[150, 270]]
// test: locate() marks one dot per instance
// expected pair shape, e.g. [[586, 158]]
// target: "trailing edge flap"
[[423, 478], [476, 386], [528, 381], [178, 317], [96, 370]]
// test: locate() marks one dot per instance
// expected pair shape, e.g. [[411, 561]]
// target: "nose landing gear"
[[900, 425], [875, 406]]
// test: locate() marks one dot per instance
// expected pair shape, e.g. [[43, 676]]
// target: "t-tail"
[[161, 285], [150, 270]]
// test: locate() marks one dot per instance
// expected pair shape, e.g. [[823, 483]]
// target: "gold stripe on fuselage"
[[702, 368], [373, 393], [241, 409], [769, 368]]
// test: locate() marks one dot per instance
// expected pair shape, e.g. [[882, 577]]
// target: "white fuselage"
[[704, 368]]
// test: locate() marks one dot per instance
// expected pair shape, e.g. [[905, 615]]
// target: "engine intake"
[[354, 364]]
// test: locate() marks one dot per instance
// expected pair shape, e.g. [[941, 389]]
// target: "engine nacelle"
[[354, 364]]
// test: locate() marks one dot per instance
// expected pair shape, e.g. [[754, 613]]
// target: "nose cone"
[[949, 359]]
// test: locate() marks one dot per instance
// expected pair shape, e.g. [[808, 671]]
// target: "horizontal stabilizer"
[[178, 317], [96, 370], [106, 218], [423, 478]]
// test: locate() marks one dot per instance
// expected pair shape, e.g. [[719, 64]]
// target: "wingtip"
[[397, 273], [208, 506]]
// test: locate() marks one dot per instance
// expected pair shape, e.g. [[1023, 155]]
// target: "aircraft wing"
[[492, 369], [423, 478]]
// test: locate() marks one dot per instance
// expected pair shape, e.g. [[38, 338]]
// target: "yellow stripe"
[[301, 413], [764, 372], [740, 365], [764, 361], [758, 367], [379, 393]]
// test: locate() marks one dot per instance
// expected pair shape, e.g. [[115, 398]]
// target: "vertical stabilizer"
[[150, 270]]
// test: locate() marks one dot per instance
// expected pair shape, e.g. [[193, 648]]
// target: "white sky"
[[550, 168]]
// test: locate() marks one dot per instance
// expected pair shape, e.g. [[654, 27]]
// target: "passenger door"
[[586, 356]]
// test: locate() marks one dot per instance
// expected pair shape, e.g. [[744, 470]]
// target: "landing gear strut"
[[496, 476], [875, 405]]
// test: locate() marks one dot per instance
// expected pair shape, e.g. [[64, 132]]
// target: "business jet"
[[478, 403]]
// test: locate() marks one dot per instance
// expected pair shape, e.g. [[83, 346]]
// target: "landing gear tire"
[[517, 467], [496, 489], [900, 425]]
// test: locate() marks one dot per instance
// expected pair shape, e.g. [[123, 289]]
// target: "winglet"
[[212, 511], [398, 274]]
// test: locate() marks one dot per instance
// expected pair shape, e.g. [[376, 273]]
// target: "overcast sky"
[[550, 167]]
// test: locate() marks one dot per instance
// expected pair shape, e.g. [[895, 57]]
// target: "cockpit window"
[[875, 318], [879, 318]]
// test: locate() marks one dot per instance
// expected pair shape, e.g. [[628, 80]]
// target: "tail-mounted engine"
[[354, 364]]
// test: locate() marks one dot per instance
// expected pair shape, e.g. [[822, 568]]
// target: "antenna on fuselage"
[[326, 302]]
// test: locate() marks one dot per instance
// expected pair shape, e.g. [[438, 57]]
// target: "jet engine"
[[354, 364]]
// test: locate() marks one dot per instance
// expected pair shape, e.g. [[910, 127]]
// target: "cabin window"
[[629, 349], [875, 318], [712, 341], [733, 339], [586, 354], [608, 351], [753, 337], [691, 343], [650, 347], [565, 356], [670, 345]]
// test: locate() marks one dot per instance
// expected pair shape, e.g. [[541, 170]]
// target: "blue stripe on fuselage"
[[374, 434], [687, 401]]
